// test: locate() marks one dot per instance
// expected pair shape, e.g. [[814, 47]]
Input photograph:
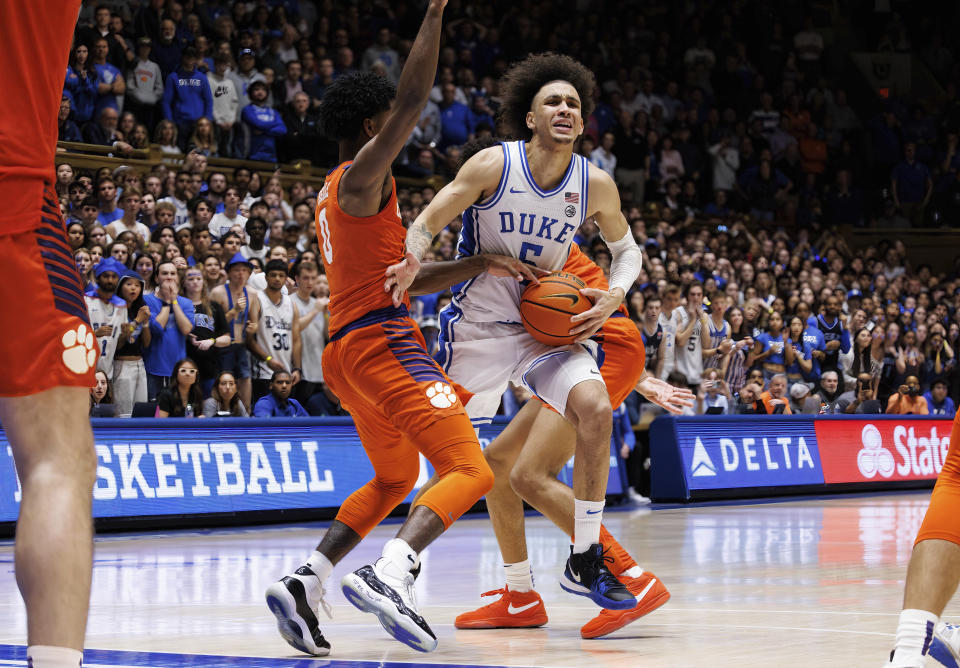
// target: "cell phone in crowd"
[[870, 325]]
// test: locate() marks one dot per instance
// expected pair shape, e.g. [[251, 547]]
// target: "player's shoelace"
[[327, 608], [604, 576], [494, 592]]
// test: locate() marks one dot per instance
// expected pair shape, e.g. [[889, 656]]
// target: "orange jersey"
[[356, 252], [36, 39], [587, 270]]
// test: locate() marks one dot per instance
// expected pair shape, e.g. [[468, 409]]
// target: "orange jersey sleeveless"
[[621, 356], [36, 39], [356, 252]]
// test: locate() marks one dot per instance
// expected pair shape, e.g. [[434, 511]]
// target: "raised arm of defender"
[[372, 163], [604, 206], [477, 179]]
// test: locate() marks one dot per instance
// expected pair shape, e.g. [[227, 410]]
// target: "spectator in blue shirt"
[[168, 49], [937, 400], [67, 130], [81, 84], [187, 96], [171, 320], [455, 119], [110, 81], [911, 185], [262, 124], [278, 403]]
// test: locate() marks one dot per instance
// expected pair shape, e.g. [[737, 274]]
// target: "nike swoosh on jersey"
[[513, 610], [514, 191]]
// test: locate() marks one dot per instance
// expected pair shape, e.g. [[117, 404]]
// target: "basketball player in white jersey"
[[313, 329], [275, 326], [526, 199], [107, 311]]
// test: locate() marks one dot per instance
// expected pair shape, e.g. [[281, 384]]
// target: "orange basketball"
[[546, 308]]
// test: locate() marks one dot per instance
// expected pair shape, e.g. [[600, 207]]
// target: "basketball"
[[546, 308]]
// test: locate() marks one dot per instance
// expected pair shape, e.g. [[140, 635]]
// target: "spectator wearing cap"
[[226, 100], [129, 374], [246, 75], [144, 85], [235, 297], [938, 403], [262, 124], [107, 311], [171, 320], [187, 96]]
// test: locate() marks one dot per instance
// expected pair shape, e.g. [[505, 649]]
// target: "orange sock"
[[622, 561]]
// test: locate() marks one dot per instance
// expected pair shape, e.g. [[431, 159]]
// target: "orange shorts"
[[621, 357], [379, 369], [48, 340], [942, 521]]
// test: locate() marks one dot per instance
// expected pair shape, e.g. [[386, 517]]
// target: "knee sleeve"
[[941, 521], [369, 505], [464, 474]]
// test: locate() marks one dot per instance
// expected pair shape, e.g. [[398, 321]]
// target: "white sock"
[[519, 576], [633, 571], [46, 656], [320, 564], [914, 635], [398, 557], [587, 518]]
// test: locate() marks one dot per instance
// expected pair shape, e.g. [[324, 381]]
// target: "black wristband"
[[169, 304]]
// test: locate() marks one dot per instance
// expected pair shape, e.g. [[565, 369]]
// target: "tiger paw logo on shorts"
[[80, 352], [441, 395]]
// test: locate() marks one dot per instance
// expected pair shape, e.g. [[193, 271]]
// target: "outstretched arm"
[[478, 177], [372, 162], [438, 276]]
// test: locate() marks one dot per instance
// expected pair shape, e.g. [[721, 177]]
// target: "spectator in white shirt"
[[130, 203], [603, 156], [221, 223]]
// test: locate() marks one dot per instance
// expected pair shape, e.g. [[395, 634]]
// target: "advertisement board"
[[149, 467], [702, 457]]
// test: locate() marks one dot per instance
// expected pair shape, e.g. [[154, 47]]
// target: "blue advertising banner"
[[149, 467], [700, 456]]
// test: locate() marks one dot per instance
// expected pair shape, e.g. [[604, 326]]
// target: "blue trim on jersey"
[[504, 178], [469, 242], [410, 354], [529, 175], [585, 189]]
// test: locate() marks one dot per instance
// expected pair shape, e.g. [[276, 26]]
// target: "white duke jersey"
[[275, 333], [519, 220], [113, 313]]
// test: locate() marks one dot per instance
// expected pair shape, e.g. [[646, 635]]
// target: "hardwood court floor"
[[813, 582]]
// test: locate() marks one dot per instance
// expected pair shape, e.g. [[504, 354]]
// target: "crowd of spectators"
[[736, 148]]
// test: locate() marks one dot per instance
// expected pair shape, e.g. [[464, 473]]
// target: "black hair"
[[471, 148], [524, 80], [231, 234], [255, 219], [350, 100], [275, 265], [278, 373]]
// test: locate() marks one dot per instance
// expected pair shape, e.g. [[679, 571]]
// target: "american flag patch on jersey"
[[571, 198]]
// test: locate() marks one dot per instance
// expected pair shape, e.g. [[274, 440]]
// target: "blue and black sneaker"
[[945, 645], [587, 574], [296, 618]]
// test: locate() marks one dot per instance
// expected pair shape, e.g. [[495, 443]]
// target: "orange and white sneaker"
[[513, 610], [650, 594]]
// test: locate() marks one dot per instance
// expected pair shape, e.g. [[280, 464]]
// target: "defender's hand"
[[400, 277], [505, 266], [663, 394]]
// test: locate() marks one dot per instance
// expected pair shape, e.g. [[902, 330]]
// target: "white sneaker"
[[296, 618], [393, 600], [637, 498], [945, 647]]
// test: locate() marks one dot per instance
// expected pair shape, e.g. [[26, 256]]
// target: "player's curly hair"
[[351, 99], [523, 81], [471, 148]]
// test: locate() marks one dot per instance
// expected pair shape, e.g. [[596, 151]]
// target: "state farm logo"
[[874, 458]]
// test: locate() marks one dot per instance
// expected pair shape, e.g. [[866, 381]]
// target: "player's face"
[[555, 113]]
